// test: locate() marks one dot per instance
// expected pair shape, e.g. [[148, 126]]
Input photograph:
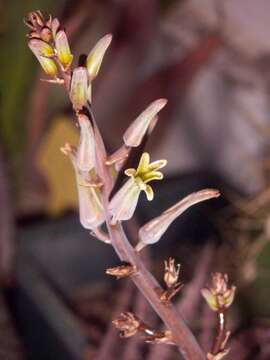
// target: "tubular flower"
[[86, 148], [95, 57], [43, 52], [136, 131], [62, 47], [151, 232], [123, 204], [90, 207], [78, 89], [219, 296]]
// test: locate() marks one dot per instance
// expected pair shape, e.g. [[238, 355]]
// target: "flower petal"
[[149, 193], [143, 164], [124, 202]]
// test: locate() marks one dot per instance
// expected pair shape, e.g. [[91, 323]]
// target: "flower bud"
[[78, 89], [43, 51], [95, 57], [90, 206], [62, 48], [35, 20], [55, 26], [219, 296], [124, 202], [86, 148], [48, 65], [40, 48], [151, 232], [136, 131]]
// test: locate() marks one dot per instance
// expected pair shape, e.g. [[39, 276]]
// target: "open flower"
[[123, 204]]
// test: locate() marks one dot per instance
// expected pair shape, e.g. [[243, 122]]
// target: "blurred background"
[[211, 59]]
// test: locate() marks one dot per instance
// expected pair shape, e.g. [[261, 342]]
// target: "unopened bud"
[[136, 131], [86, 148], [62, 48], [40, 48], [90, 206], [219, 296], [78, 89], [151, 232], [55, 26], [95, 57]]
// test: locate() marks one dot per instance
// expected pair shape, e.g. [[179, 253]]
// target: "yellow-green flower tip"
[[40, 48], [63, 50], [95, 57]]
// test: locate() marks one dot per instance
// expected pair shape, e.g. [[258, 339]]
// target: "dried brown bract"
[[121, 271], [171, 275], [218, 356], [160, 337], [128, 324]]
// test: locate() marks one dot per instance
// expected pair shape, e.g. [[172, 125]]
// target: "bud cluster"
[[171, 276], [219, 296], [49, 43]]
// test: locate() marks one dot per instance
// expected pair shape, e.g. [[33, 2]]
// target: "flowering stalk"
[[93, 171]]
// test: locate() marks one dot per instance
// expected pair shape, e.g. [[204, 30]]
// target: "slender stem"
[[221, 332], [143, 279]]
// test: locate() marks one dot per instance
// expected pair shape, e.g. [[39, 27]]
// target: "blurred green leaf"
[[17, 73]]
